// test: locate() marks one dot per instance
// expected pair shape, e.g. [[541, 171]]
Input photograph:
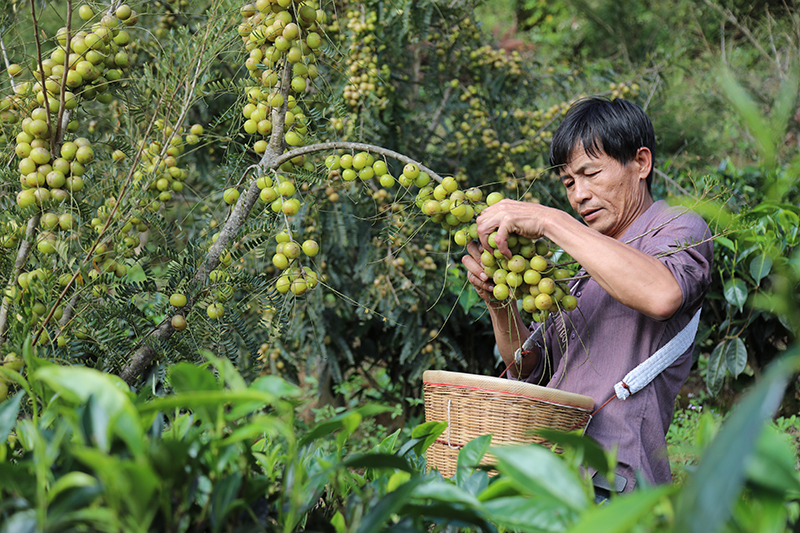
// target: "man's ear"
[[644, 160]]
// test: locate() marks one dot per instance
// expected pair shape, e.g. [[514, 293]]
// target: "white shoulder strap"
[[643, 374]]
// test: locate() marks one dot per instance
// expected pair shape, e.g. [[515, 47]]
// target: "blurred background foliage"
[[473, 90]]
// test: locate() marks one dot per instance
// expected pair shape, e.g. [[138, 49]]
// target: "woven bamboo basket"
[[474, 405]]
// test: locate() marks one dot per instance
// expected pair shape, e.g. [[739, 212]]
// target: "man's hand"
[[475, 274], [511, 217]]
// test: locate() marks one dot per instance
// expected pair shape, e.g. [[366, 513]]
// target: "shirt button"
[[573, 335], [578, 294]]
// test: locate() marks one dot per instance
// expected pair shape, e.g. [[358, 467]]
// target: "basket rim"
[[507, 386]]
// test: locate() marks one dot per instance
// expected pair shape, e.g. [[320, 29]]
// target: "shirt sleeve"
[[682, 242]]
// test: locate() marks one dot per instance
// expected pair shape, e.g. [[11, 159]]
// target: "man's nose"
[[580, 192]]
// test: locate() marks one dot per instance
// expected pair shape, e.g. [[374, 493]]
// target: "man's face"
[[608, 195]]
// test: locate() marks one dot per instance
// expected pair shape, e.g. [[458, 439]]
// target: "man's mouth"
[[589, 214]]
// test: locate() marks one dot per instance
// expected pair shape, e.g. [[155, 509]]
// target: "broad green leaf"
[[195, 400], [76, 384], [277, 387], [227, 372], [540, 472], [592, 453], [470, 456], [257, 427], [500, 487], [530, 515], [324, 429], [716, 370], [773, 465], [735, 291], [760, 267], [186, 377], [96, 422], [472, 453], [445, 492], [9, 410], [378, 460], [338, 522], [380, 514], [735, 356], [223, 499], [397, 479], [70, 480], [387, 444], [726, 242], [623, 512], [706, 500], [456, 516], [429, 432]]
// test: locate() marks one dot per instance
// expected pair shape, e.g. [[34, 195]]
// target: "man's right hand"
[[475, 274]]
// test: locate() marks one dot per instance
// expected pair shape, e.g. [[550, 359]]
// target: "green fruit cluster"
[[159, 171], [273, 32], [364, 167], [529, 275], [294, 277]]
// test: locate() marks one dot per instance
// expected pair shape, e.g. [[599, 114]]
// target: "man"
[[649, 267]]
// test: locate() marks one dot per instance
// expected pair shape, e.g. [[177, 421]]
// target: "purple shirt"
[[602, 340]]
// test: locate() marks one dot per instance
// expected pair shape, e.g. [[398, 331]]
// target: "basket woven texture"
[[474, 405]]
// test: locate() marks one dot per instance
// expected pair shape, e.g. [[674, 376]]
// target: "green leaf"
[[223, 499], [773, 466], [68, 481], [706, 500], [735, 291], [530, 515], [716, 370], [186, 377], [227, 372], [472, 453], [500, 487], [9, 410], [428, 432], [735, 356], [378, 460], [257, 427], [592, 453], [380, 514], [195, 400], [76, 384], [540, 472], [443, 491], [760, 267], [623, 512]]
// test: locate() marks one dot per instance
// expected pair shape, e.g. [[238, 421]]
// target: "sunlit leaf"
[[707, 498], [735, 291], [735, 356], [760, 267], [717, 369]]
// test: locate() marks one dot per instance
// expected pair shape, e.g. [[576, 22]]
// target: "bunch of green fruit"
[[294, 277]]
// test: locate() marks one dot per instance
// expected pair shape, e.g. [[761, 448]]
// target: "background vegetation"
[[471, 91]]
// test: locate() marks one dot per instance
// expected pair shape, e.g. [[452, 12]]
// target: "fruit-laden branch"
[[21, 260], [344, 145], [271, 160]]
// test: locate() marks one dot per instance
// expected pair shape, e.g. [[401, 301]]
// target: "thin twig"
[[7, 62], [727, 13], [42, 78], [24, 251]]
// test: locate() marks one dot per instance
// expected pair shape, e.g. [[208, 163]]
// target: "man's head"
[[603, 154], [617, 128]]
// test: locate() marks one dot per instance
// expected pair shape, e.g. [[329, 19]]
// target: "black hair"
[[617, 128]]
